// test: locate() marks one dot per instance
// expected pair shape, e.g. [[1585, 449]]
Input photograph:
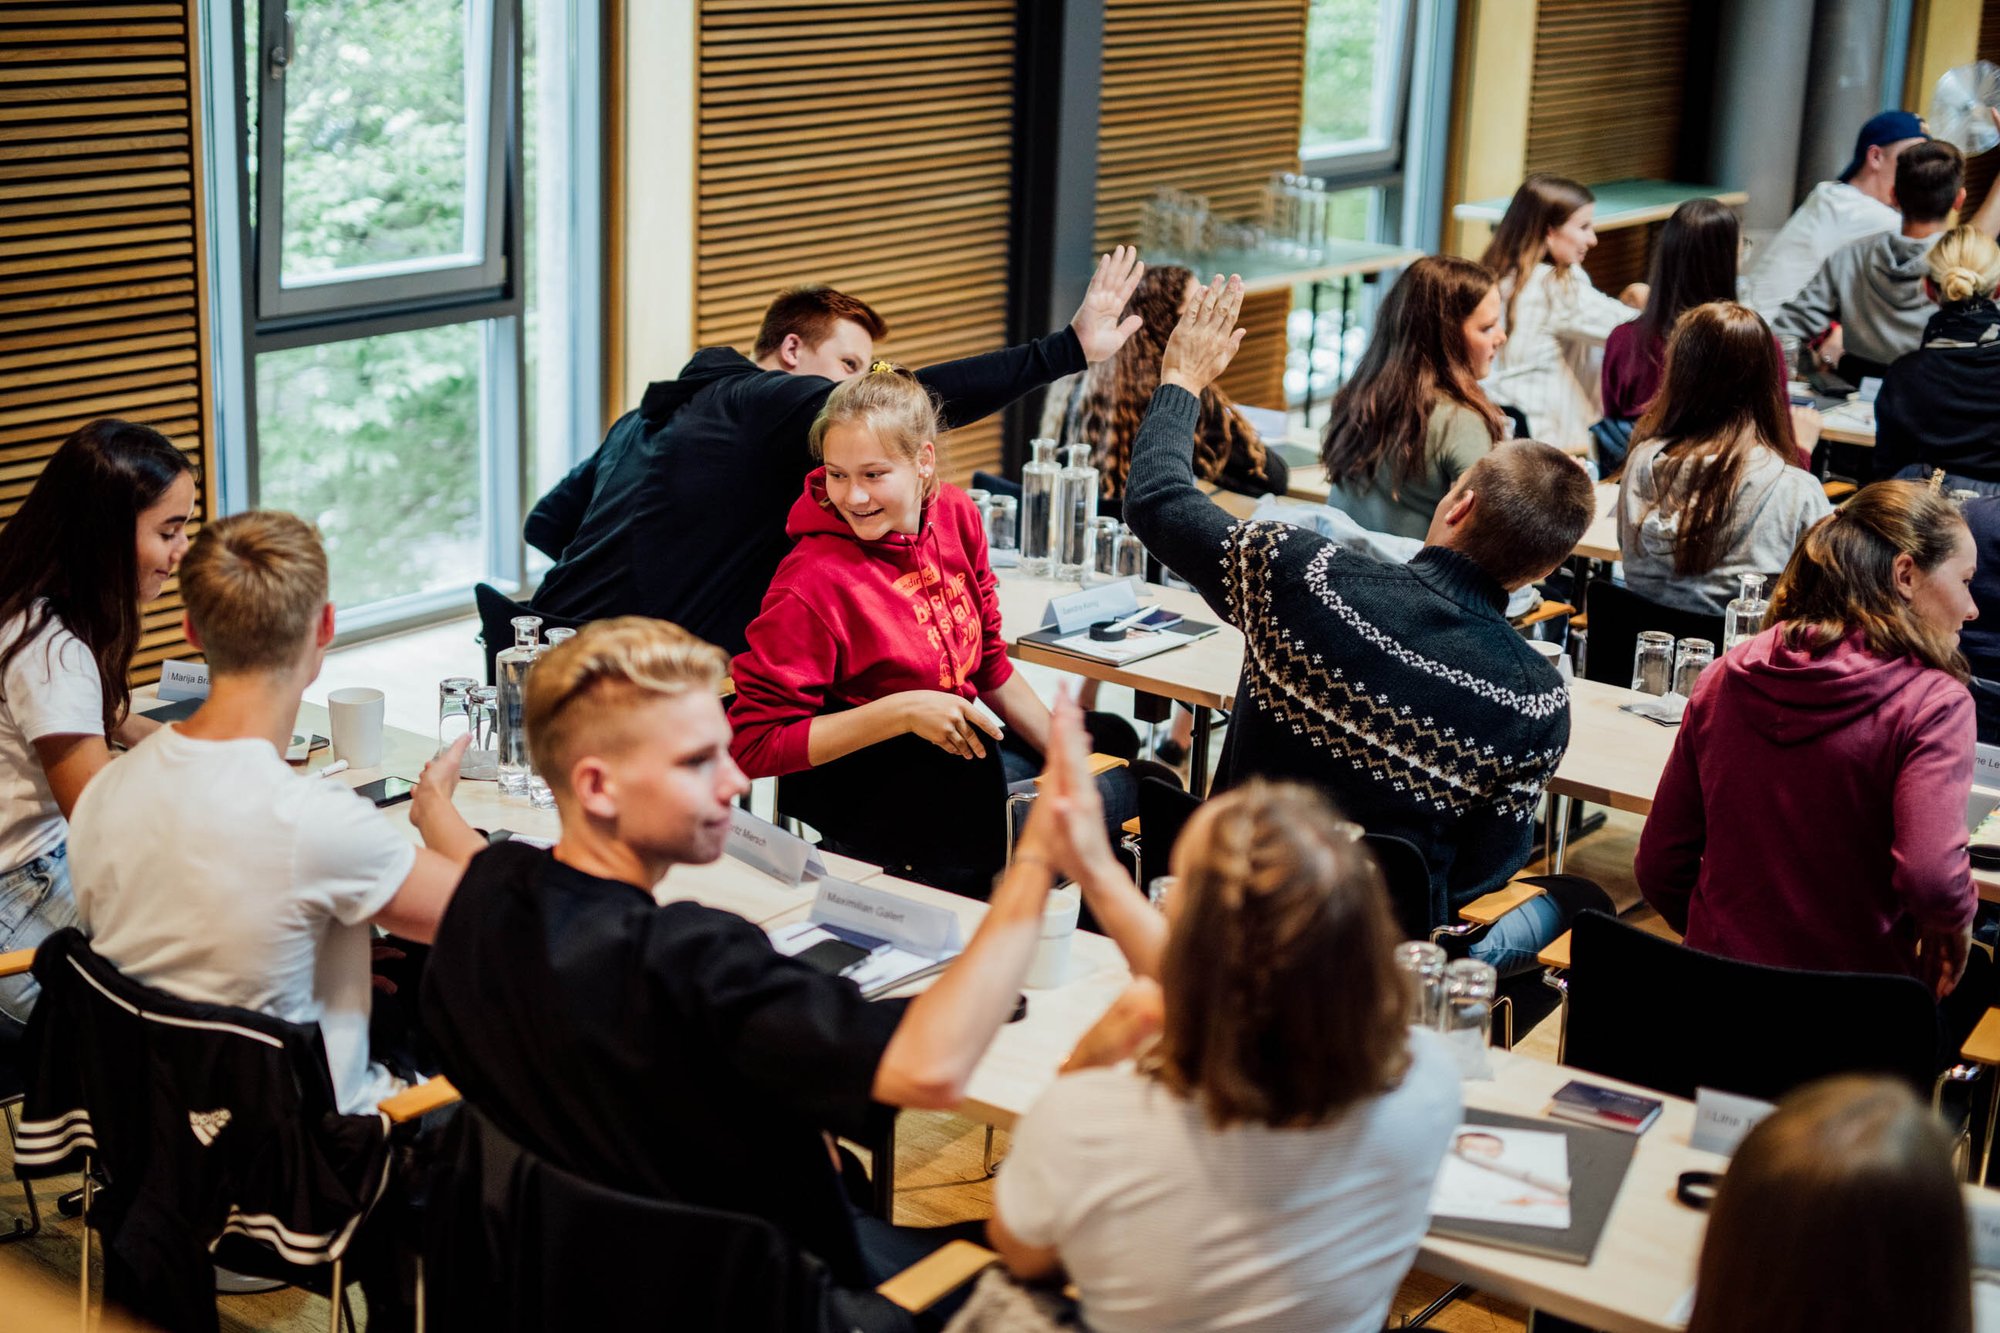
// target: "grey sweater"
[[1875, 289]]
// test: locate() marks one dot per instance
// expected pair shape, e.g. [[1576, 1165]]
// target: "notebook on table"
[[1136, 646], [1598, 1161]]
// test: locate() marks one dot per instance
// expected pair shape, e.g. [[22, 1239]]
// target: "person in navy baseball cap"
[[1885, 134]]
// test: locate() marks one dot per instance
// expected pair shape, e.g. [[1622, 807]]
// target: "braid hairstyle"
[[1112, 396], [1283, 1002]]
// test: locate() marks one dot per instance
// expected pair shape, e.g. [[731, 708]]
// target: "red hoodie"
[[849, 621], [1812, 813]]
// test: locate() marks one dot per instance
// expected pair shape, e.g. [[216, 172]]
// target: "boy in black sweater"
[[680, 514], [1399, 689]]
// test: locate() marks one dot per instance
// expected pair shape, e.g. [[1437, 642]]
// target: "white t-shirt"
[[50, 688], [1551, 366], [1833, 215], [1165, 1223], [212, 870]]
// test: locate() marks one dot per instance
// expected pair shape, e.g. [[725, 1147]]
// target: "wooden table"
[[1309, 483], [1202, 674], [1600, 539], [1623, 203], [1852, 423]]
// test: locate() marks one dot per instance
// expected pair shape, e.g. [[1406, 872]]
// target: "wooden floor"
[[939, 1156]]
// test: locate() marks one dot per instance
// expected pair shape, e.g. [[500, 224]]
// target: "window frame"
[[492, 169], [1374, 161]]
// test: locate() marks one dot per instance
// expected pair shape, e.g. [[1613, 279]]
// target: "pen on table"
[[337, 766], [1560, 1188], [1129, 621]]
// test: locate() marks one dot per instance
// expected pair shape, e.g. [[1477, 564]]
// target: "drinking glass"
[[1691, 658], [1423, 964], [482, 711], [453, 719], [1131, 561], [1103, 550], [1159, 889], [1000, 526], [1653, 662], [1470, 988]]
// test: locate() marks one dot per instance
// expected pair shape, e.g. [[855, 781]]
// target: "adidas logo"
[[207, 1124]]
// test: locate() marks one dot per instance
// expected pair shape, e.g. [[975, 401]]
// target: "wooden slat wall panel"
[[870, 147], [1606, 104], [102, 309], [1204, 95], [1981, 171]]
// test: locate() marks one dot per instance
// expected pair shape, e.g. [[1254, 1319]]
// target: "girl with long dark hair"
[[1710, 492], [1414, 419], [97, 538], [1104, 405], [1556, 319]]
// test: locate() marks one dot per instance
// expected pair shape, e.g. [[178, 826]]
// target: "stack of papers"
[[885, 968]]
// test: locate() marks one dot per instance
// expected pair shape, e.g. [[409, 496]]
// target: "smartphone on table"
[[387, 791]]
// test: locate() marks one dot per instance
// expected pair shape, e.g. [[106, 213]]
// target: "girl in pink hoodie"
[[883, 619], [1812, 813]]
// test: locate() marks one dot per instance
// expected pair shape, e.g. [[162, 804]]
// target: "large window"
[[408, 312], [1356, 88]]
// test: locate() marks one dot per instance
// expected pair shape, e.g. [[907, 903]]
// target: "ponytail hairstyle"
[[889, 401], [1721, 399], [70, 552], [1112, 396], [1283, 1002], [1841, 579], [1521, 241], [1965, 265], [1416, 358]]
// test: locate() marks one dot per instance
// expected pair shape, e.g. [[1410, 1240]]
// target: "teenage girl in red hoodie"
[[883, 619], [1812, 813]]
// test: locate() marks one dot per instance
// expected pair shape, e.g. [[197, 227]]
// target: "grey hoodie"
[[1875, 289]]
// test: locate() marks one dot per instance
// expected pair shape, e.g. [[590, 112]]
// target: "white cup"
[[1554, 655], [356, 722], [1051, 962]]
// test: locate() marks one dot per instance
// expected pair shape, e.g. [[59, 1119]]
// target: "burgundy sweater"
[[1812, 813]]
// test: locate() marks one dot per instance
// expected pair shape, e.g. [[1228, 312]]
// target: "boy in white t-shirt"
[[206, 866]]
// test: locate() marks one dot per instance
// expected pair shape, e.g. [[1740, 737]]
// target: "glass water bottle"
[[1076, 507], [1038, 496], [511, 669], [1744, 616]]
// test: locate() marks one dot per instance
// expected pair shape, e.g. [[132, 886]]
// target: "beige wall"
[[1943, 35], [651, 260], [1489, 138]]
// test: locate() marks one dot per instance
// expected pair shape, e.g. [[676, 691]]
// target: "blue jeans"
[[35, 903], [1512, 942]]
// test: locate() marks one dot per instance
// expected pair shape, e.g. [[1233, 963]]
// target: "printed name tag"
[[1721, 1119], [779, 854], [1986, 767], [183, 680], [1985, 1213], [907, 924], [1074, 611]]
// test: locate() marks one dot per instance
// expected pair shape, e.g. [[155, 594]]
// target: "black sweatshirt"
[[680, 514], [1399, 690], [1940, 405]]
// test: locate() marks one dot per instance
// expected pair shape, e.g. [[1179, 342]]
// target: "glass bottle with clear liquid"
[[1076, 506], [1744, 616], [510, 669], [1038, 497]]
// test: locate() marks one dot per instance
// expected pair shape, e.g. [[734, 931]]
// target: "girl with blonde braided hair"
[[1265, 1162], [1940, 405]]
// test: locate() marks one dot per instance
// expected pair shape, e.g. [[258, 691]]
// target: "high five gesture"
[[1101, 324], [1206, 338]]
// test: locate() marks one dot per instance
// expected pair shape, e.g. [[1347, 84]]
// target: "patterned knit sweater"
[[1399, 690]]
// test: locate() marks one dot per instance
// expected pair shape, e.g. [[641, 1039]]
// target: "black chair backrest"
[[911, 808], [518, 1243], [1164, 810], [1618, 616], [995, 484], [496, 613], [1647, 1010], [1408, 879]]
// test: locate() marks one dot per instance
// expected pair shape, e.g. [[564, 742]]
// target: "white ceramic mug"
[[1051, 962], [1554, 655], [355, 715]]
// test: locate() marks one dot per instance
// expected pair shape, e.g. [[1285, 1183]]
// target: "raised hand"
[[1066, 822], [1101, 324], [1206, 338]]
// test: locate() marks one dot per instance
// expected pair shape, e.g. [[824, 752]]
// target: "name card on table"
[[781, 855], [1721, 1119], [1080, 610], [1985, 1211], [183, 680], [1986, 767], [922, 928]]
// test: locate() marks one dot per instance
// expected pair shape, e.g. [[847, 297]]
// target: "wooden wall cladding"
[[1605, 104], [1204, 95], [869, 147], [102, 309]]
